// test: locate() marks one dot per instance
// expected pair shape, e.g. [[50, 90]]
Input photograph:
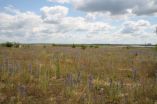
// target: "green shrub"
[[156, 47], [73, 46], [11, 44], [8, 44], [91, 46], [83, 47], [53, 44], [44, 46], [96, 46]]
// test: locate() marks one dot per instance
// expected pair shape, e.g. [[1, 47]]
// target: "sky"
[[79, 21]]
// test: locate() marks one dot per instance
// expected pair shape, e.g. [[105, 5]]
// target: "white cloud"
[[59, 1], [18, 25], [80, 24], [54, 25], [135, 27], [53, 14]]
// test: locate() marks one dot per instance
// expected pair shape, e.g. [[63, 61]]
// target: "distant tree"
[[83, 47], [8, 44], [96, 46], [53, 44], [91, 46], [73, 46], [156, 47], [12, 44]]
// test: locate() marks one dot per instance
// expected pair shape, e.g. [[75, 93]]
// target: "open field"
[[75, 75]]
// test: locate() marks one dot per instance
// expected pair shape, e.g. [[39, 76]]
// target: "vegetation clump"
[[96, 46], [11, 44], [156, 47], [83, 47], [73, 46]]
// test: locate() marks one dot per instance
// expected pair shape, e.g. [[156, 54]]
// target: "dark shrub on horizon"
[[83, 47], [8, 44], [156, 47], [91, 46], [53, 44], [73, 46], [11, 44], [96, 46]]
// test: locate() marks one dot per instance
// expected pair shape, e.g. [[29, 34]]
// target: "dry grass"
[[66, 75]]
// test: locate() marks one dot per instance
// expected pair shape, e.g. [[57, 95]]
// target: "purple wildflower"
[[22, 90], [69, 80], [134, 73], [79, 77], [90, 81]]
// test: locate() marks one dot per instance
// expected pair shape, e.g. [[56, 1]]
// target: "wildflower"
[[134, 73], [22, 90], [79, 77], [90, 81], [69, 80], [10, 69]]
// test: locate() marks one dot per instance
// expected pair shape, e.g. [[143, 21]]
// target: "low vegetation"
[[66, 75], [11, 44]]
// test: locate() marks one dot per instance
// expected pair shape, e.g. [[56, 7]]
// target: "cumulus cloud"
[[117, 7], [56, 26], [53, 25], [80, 24], [59, 1], [53, 14], [18, 25], [135, 27]]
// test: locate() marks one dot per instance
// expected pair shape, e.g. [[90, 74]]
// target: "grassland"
[[75, 75]]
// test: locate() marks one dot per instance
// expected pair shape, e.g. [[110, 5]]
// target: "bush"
[[96, 46], [83, 47], [8, 44], [91, 46], [156, 47], [11, 44], [44, 46], [53, 44], [73, 46]]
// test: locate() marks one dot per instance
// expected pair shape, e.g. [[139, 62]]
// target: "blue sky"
[[78, 21]]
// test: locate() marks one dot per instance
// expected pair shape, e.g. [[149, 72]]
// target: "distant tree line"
[[11, 44]]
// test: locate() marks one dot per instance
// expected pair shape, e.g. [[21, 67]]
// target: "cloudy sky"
[[78, 21]]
